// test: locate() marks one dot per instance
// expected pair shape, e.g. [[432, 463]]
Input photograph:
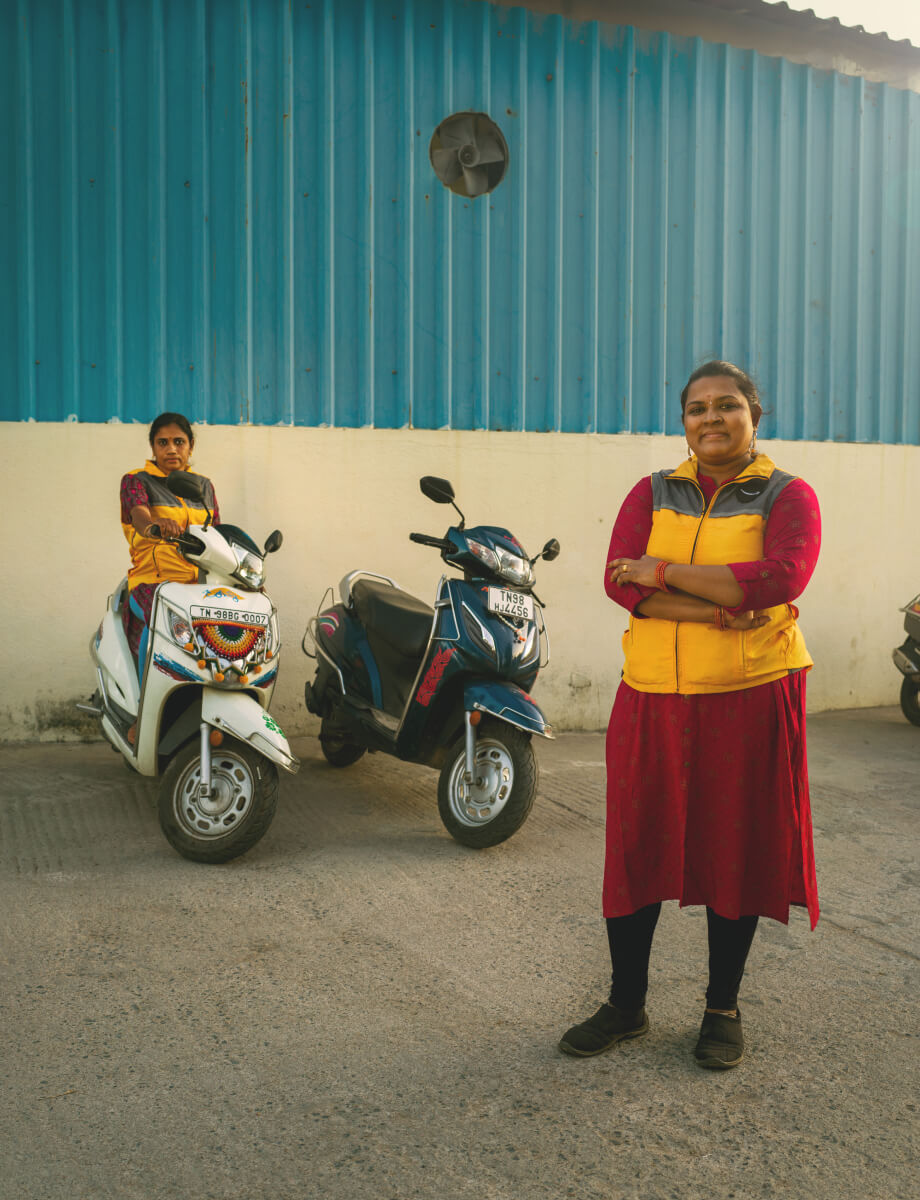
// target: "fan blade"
[[456, 133], [477, 180], [490, 149], [447, 165]]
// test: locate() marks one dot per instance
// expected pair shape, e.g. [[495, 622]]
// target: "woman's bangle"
[[718, 618], [659, 575]]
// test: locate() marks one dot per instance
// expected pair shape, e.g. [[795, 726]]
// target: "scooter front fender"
[[507, 702], [241, 716]]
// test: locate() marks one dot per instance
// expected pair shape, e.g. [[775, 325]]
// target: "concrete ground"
[[361, 1008]]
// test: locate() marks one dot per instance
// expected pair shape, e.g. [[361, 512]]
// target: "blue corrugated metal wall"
[[226, 207]]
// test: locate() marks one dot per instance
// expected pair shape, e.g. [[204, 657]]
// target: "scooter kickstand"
[[470, 739], [204, 787]]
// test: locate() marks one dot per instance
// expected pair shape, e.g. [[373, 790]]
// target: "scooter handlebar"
[[184, 541], [425, 539]]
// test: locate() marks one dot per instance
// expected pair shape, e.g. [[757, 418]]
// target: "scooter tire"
[[239, 814], [505, 793], [337, 750], [910, 700]]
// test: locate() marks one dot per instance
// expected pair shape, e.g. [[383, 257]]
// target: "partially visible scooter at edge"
[[198, 714], [907, 660], [446, 686]]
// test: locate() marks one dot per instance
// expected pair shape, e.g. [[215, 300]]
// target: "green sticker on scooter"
[[272, 724]]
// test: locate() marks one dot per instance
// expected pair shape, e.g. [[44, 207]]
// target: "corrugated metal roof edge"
[[770, 27], [775, 12], [806, 15]]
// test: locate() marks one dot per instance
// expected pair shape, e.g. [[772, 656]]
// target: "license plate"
[[511, 604], [231, 615]]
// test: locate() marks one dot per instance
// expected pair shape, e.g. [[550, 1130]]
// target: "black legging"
[[630, 941]]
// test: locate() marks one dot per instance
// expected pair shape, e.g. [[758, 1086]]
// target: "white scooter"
[[198, 715]]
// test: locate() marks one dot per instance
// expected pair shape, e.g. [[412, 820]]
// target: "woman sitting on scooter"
[[147, 501]]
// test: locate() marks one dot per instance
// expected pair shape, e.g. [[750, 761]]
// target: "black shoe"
[[721, 1042], [608, 1026]]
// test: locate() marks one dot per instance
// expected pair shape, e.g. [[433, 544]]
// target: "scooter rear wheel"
[[503, 788], [339, 752], [910, 700], [224, 825]]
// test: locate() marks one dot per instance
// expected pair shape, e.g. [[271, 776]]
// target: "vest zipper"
[[707, 508]]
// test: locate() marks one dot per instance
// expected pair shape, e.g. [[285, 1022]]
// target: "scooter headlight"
[[514, 568], [250, 568]]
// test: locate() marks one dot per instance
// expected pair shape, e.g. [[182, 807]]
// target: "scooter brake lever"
[[425, 539]]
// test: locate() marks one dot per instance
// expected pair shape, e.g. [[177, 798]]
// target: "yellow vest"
[[690, 657], [153, 560]]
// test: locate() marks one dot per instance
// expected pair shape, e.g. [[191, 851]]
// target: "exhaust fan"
[[469, 154]]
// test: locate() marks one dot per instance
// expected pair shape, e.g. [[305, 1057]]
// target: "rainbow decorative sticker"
[[228, 639], [222, 593], [328, 622]]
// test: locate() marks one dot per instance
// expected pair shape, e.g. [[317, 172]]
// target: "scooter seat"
[[395, 616]]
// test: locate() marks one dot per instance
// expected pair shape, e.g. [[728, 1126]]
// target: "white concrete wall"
[[349, 498]]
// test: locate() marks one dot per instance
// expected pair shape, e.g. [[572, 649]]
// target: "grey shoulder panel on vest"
[[741, 498], [752, 495], [677, 495]]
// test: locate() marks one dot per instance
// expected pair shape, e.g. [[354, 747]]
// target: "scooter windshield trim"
[[441, 602]]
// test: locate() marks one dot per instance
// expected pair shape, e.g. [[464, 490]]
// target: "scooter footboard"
[[509, 703], [244, 718]]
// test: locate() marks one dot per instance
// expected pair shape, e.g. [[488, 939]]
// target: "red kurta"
[[707, 795]]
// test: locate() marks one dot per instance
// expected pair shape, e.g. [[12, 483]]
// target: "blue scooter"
[[448, 686]]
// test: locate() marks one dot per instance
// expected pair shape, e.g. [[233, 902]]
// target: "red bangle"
[[718, 618], [659, 575]]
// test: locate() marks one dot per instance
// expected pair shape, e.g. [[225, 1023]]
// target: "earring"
[[689, 452], [753, 449]]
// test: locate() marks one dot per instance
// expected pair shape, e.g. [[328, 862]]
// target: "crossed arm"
[[792, 538]]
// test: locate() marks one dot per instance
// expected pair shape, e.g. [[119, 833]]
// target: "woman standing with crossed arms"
[[707, 785]]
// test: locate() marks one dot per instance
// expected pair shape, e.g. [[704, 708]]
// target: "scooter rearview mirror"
[[439, 490], [550, 550], [186, 485], [273, 541]]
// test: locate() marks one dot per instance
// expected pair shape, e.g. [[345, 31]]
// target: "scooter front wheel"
[[498, 800], [236, 813], [910, 700]]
